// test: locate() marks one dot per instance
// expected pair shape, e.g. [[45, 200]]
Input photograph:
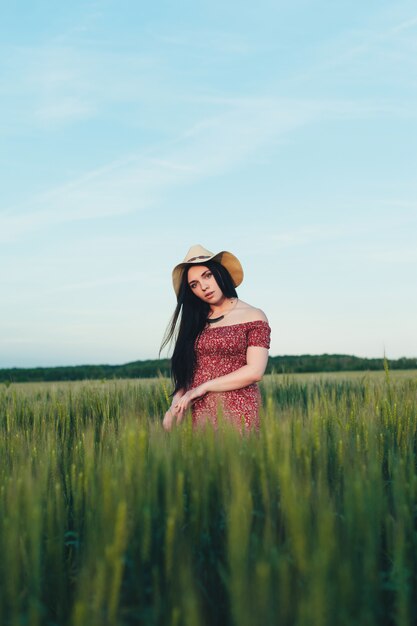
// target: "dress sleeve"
[[259, 334]]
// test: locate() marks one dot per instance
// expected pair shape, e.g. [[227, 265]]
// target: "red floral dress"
[[219, 351]]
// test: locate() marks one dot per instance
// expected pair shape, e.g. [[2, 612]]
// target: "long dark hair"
[[192, 313]]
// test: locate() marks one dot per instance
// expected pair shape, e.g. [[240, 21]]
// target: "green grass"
[[107, 519]]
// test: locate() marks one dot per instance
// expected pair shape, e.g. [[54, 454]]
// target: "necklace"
[[217, 319]]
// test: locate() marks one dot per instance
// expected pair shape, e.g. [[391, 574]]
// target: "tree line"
[[161, 367]]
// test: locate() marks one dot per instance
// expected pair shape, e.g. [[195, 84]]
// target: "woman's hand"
[[171, 414], [169, 418], [183, 403], [177, 410]]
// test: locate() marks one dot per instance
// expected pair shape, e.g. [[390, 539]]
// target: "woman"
[[221, 348]]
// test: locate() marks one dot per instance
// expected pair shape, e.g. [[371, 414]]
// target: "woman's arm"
[[252, 372]]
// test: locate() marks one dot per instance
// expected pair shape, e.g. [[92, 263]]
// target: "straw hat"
[[196, 255]]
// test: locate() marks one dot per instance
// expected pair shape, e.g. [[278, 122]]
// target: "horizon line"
[[282, 356]]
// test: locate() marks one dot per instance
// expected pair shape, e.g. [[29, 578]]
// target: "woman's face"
[[203, 284]]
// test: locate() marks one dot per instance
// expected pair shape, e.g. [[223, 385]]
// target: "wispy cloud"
[[407, 24], [59, 84], [64, 109], [383, 49], [213, 146], [133, 183]]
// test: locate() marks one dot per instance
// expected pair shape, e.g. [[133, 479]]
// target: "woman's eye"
[[209, 275]]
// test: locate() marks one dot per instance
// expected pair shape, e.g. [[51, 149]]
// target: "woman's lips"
[[210, 294]]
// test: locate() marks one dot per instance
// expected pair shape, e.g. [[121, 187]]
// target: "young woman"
[[221, 346]]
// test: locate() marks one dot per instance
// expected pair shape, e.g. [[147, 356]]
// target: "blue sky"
[[285, 132]]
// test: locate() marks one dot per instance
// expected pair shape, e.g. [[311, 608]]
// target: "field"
[[106, 519]]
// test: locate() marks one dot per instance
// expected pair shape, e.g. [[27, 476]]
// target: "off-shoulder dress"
[[219, 351]]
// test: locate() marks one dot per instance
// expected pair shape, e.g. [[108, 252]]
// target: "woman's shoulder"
[[249, 313]]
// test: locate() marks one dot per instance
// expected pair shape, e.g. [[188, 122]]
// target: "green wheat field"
[[106, 519]]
